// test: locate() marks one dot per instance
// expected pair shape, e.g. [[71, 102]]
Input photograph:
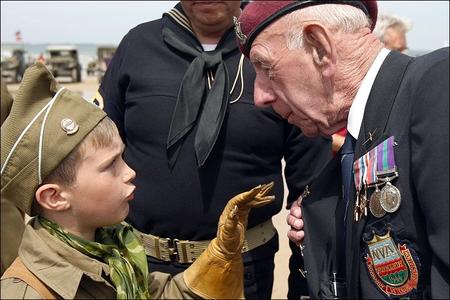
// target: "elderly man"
[[376, 220]]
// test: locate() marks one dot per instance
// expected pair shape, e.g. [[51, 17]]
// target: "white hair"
[[386, 20], [337, 17]]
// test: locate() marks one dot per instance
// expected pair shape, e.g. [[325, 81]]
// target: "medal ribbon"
[[385, 153], [365, 169]]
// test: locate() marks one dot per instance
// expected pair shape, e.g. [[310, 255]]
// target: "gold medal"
[[390, 198], [375, 205]]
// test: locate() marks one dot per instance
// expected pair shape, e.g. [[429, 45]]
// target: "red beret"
[[257, 15]]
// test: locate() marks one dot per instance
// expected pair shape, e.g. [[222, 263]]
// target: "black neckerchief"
[[195, 102]]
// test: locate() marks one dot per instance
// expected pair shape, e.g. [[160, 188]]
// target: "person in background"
[[375, 223], [62, 163], [181, 95], [391, 30]]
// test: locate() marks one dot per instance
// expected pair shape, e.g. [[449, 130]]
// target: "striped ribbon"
[[386, 161], [377, 162]]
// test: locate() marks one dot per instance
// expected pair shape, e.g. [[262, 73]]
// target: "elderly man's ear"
[[52, 197], [318, 39]]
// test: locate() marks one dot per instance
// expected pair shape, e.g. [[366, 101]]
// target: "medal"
[[390, 198], [364, 201], [375, 205]]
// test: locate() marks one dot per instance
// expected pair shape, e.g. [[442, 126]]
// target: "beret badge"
[[69, 126], [237, 29]]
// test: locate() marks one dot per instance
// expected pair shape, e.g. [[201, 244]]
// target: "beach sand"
[[88, 88]]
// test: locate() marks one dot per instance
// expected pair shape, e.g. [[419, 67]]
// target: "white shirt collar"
[[356, 112], [209, 47]]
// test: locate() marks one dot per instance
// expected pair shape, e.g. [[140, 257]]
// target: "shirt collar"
[[55, 263], [356, 113]]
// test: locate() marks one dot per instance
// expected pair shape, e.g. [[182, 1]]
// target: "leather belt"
[[185, 251]]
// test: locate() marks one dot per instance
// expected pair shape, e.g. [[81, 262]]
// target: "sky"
[[106, 22]]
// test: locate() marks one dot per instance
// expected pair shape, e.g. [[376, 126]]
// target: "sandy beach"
[[88, 87]]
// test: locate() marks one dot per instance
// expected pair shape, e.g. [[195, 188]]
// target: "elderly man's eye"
[[271, 74], [268, 70]]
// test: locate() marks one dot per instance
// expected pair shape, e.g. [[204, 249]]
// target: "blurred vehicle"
[[63, 61], [13, 65], [99, 65], [92, 67], [104, 56]]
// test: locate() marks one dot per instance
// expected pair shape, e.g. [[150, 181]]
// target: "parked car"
[[13, 65], [63, 61]]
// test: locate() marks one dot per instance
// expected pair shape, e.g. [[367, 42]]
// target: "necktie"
[[347, 155]]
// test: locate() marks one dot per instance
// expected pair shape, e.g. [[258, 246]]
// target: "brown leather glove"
[[218, 272]]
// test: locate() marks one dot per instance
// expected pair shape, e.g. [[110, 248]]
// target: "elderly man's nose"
[[263, 93]]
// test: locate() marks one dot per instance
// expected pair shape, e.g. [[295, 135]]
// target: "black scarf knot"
[[212, 59], [195, 104]]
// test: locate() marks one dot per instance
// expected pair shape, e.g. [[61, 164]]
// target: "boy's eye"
[[113, 163]]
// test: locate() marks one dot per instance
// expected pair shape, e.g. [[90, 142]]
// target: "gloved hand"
[[218, 272], [234, 218]]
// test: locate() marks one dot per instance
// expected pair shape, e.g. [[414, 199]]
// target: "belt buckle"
[[173, 252]]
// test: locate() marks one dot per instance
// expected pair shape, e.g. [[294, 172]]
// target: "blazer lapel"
[[376, 116]]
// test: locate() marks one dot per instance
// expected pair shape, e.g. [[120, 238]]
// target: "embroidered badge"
[[391, 268]]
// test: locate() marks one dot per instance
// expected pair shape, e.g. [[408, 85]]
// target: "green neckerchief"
[[117, 246]]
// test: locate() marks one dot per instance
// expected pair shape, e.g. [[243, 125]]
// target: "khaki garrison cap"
[[45, 124]]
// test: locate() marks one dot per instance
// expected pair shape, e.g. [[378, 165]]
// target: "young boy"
[[62, 161]]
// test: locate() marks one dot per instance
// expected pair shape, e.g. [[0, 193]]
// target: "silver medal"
[[390, 198]]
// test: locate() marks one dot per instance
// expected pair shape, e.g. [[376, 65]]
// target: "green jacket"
[[73, 275]]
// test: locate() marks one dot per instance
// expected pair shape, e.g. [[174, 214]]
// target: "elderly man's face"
[[289, 81]]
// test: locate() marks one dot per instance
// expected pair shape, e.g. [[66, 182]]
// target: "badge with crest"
[[391, 267]]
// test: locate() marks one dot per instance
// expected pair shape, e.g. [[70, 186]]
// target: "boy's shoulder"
[[14, 288]]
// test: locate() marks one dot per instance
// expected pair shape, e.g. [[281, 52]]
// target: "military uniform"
[[384, 232], [73, 275], [402, 252]]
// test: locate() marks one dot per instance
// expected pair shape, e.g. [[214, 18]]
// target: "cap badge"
[[237, 29], [69, 126]]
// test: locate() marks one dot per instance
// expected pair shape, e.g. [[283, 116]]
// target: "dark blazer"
[[409, 100]]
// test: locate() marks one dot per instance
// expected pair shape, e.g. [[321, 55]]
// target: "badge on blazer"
[[392, 268]]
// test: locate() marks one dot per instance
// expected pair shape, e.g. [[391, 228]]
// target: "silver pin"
[[69, 126], [303, 272], [371, 136]]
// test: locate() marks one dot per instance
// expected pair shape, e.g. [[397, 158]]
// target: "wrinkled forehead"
[[270, 42]]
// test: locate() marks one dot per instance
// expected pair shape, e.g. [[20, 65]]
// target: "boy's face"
[[103, 187]]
